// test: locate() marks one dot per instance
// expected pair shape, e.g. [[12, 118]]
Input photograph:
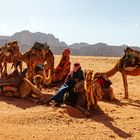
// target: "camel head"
[[7, 50], [14, 47], [66, 52], [11, 48], [128, 50], [88, 75]]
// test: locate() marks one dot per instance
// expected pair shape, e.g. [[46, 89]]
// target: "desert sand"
[[21, 119]]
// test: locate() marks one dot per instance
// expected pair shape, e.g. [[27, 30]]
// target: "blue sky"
[[114, 22]]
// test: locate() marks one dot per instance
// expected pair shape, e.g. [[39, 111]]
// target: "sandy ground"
[[21, 119]]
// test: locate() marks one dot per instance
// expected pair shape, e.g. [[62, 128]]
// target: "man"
[[74, 76]]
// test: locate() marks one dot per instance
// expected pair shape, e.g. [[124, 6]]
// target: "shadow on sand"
[[28, 101], [99, 116], [124, 102], [23, 103]]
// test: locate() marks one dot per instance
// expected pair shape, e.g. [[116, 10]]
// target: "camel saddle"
[[13, 79], [39, 46], [103, 81]]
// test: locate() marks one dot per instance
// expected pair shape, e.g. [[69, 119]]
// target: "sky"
[[115, 22]]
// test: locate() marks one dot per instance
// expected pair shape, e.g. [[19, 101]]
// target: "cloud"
[[136, 25], [4, 29], [31, 22]]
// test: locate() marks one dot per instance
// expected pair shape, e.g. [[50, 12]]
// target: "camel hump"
[[40, 46]]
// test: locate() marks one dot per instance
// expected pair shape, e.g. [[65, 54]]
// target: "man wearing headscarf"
[[74, 76]]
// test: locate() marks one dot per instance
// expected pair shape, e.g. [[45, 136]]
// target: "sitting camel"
[[102, 89], [17, 86], [129, 64], [41, 79], [97, 88], [63, 68]]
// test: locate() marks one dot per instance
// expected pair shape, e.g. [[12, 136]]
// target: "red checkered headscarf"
[[75, 68]]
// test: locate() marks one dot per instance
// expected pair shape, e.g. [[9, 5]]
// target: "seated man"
[[63, 68], [74, 76]]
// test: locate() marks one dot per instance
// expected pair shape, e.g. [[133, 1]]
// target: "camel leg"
[[92, 100], [29, 71], [88, 101], [28, 88], [1, 69], [35, 90], [124, 76], [5, 69], [20, 66]]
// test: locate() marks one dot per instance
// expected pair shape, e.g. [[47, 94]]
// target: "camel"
[[89, 89], [41, 78], [81, 103], [97, 88], [134, 67], [10, 54], [63, 68], [102, 89], [38, 54], [16, 85]]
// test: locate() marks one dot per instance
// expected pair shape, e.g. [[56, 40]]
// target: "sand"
[[21, 119]]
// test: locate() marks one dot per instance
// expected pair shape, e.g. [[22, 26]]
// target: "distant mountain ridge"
[[26, 40]]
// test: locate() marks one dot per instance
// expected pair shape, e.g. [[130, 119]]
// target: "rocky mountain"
[[26, 40]]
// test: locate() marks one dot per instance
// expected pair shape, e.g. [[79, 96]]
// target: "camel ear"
[[46, 45], [127, 48]]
